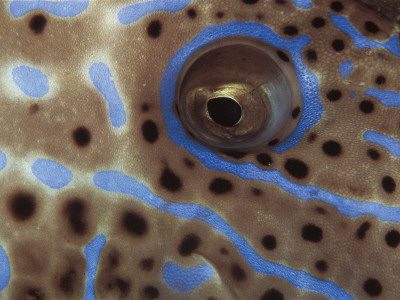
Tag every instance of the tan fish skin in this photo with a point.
(45, 234)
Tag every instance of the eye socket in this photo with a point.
(237, 94)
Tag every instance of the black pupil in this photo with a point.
(224, 111)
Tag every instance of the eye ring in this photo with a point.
(237, 94)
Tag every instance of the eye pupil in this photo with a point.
(224, 111)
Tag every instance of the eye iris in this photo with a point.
(224, 111)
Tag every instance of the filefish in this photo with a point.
(242, 149)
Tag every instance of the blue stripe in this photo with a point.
(387, 98)
(66, 8)
(92, 253)
(390, 144)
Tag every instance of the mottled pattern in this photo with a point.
(106, 196)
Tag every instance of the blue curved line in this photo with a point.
(185, 280)
(92, 253)
(360, 41)
(3, 160)
(66, 8)
(30, 81)
(4, 269)
(101, 78)
(134, 12)
(304, 4)
(114, 181)
(51, 173)
(345, 69)
(390, 144)
(387, 98)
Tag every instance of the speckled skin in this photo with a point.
(46, 249)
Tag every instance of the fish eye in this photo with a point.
(238, 93)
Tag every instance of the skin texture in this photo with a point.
(45, 230)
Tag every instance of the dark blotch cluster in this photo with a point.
(272, 294)
(134, 223)
(269, 242)
(81, 136)
(170, 180)
(124, 286)
(68, 281)
(189, 244)
(75, 212)
(154, 29)
(362, 230)
(37, 23)
(150, 131)
(151, 292)
(146, 264)
(22, 206)
(296, 168)
(220, 186)
(312, 233)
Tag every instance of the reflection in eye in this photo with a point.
(238, 93)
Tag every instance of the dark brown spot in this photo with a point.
(264, 159)
(334, 95)
(22, 206)
(220, 15)
(388, 184)
(272, 294)
(296, 112)
(34, 294)
(337, 45)
(146, 264)
(220, 186)
(189, 244)
(75, 212)
(34, 108)
(366, 106)
(332, 148)
(113, 259)
(321, 210)
(290, 30)
(250, 1)
(311, 55)
(170, 181)
(337, 6)
(321, 265)
(296, 168)
(37, 23)
(283, 56)
(81, 136)
(362, 230)
(150, 131)
(312, 137)
(372, 287)
(154, 29)
(191, 13)
(134, 223)
(379, 80)
(237, 272)
(235, 154)
(318, 22)
(371, 27)
(224, 251)
(189, 163)
(373, 154)
(145, 107)
(312, 233)
(392, 238)
(269, 242)
(124, 286)
(151, 292)
(256, 192)
(67, 282)
(273, 142)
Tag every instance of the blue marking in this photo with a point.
(30, 81)
(134, 12)
(4, 269)
(102, 79)
(3, 160)
(51, 173)
(92, 253)
(312, 107)
(185, 280)
(387, 98)
(114, 181)
(353, 94)
(66, 8)
(360, 41)
(345, 69)
(302, 3)
(390, 144)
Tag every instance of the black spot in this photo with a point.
(269, 242)
(311, 55)
(192, 13)
(146, 264)
(145, 107)
(337, 6)
(134, 223)
(282, 55)
(321, 210)
(312, 233)
(224, 111)
(388, 184)
(177, 110)
(392, 238)
(224, 251)
(220, 186)
(81, 136)
(67, 282)
(371, 27)
(189, 163)
(272, 294)
(220, 15)
(337, 45)
(150, 131)
(75, 212)
(260, 16)
(380, 79)
(372, 287)
(264, 159)
(332, 148)
(256, 192)
(290, 30)
(366, 106)
(296, 112)
(273, 142)
(34, 294)
(22, 206)
(296, 168)
(170, 180)
(151, 292)
(312, 137)
(250, 1)
(154, 29)
(189, 244)
(124, 286)
(235, 154)
(334, 95)
(113, 259)
(318, 22)
(373, 154)
(237, 272)
(280, 2)
(321, 266)
(362, 230)
(37, 24)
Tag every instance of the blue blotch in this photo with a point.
(66, 8)
(30, 81)
(312, 107)
(390, 144)
(51, 173)
(4, 269)
(3, 160)
(102, 79)
(92, 253)
(353, 94)
(387, 98)
(360, 41)
(133, 12)
(345, 69)
(185, 280)
(114, 181)
(302, 3)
